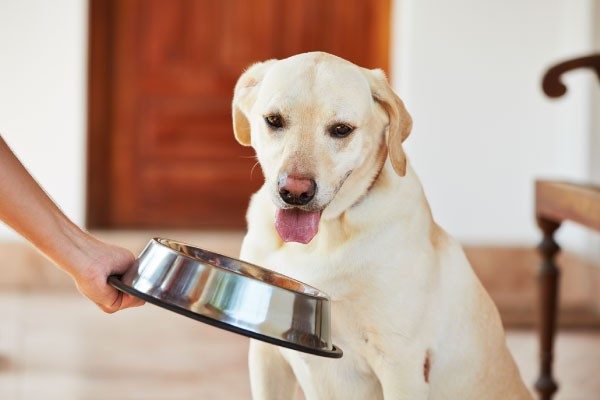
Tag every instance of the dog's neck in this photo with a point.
(387, 199)
(377, 178)
(357, 185)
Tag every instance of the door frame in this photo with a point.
(99, 118)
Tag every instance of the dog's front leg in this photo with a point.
(271, 377)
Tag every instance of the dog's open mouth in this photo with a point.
(295, 225)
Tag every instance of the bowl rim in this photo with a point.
(314, 292)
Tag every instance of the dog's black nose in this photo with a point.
(297, 191)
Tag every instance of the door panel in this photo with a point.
(161, 148)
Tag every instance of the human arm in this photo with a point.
(26, 208)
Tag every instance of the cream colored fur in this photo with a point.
(402, 290)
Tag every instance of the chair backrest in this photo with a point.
(552, 84)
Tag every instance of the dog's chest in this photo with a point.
(346, 378)
(344, 272)
(353, 376)
(357, 316)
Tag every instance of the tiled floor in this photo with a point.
(58, 346)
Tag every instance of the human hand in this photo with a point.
(92, 267)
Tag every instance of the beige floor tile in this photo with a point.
(70, 350)
(577, 366)
(10, 346)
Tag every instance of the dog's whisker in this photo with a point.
(252, 170)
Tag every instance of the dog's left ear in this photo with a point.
(400, 122)
(244, 96)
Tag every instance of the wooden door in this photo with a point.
(161, 148)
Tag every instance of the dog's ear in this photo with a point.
(400, 122)
(244, 96)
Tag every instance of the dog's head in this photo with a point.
(321, 128)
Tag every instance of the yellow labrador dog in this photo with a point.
(341, 209)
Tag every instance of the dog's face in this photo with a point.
(318, 125)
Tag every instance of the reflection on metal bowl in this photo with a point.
(232, 295)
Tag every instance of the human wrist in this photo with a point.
(67, 247)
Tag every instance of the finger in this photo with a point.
(114, 306)
(100, 298)
(131, 301)
(106, 309)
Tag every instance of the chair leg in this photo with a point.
(549, 275)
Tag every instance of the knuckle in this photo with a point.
(106, 309)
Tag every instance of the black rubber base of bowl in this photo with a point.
(116, 282)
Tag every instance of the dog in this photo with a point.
(341, 209)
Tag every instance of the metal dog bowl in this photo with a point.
(232, 295)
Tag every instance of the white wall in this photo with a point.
(470, 71)
(42, 94)
(594, 240)
(595, 106)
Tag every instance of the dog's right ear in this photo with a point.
(400, 122)
(244, 96)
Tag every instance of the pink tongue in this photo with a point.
(294, 225)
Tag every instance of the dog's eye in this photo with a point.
(340, 130)
(274, 121)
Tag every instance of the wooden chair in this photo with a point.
(556, 202)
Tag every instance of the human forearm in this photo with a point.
(26, 208)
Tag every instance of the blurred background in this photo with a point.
(121, 111)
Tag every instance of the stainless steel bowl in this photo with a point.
(232, 295)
